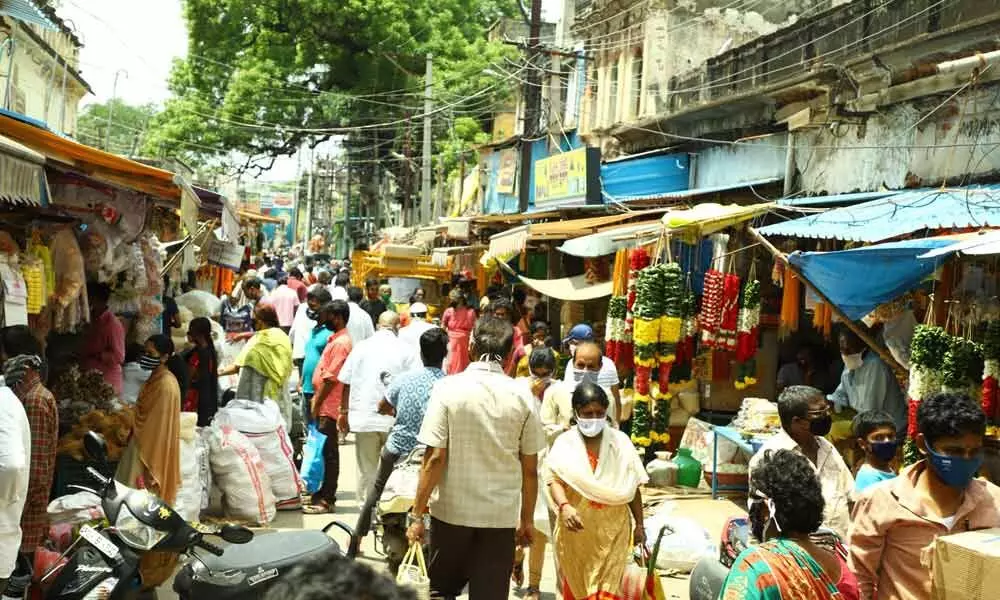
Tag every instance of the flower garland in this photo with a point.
(991, 370)
(728, 321)
(748, 336)
(647, 310)
(642, 420)
(658, 433)
(930, 344)
(671, 323)
(681, 371)
(711, 307)
(638, 260)
(616, 329)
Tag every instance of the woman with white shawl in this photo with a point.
(593, 474)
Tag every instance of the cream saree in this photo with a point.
(600, 488)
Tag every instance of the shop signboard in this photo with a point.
(225, 254)
(281, 206)
(507, 174)
(570, 177)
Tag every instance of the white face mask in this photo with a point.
(853, 361)
(583, 375)
(591, 427)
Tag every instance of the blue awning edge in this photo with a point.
(860, 280)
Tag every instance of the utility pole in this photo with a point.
(440, 204)
(532, 104)
(347, 202)
(310, 195)
(425, 196)
(111, 109)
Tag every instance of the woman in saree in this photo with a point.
(151, 460)
(458, 320)
(786, 509)
(593, 474)
(265, 364)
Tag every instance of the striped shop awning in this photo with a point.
(22, 175)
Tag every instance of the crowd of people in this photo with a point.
(525, 442)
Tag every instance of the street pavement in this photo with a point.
(347, 511)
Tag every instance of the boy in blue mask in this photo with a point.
(939, 495)
(875, 431)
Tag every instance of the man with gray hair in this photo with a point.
(366, 376)
(483, 437)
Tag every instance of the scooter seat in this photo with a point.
(270, 550)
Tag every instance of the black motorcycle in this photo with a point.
(104, 563)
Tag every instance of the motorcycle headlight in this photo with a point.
(135, 533)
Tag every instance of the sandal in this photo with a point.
(532, 593)
(321, 507)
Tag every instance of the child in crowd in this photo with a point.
(875, 431)
(894, 522)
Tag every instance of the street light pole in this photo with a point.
(425, 184)
(532, 105)
(111, 109)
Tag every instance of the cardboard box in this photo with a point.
(966, 566)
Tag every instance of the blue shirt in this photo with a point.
(409, 393)
(868, 476)
(314, 350)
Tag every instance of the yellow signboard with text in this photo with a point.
(568, 177)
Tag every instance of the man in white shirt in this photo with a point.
(805, 421)
(15, 462)
(366, 376)
(483, 437)
(418, 325)
(359, 326)
(339, 289)
(608, 374)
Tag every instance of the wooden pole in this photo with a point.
(850, 324)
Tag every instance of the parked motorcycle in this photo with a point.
(394, 506)
(103, 563)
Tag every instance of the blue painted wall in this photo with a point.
(645, 176)
(497, 203)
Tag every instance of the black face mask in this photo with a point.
(757, 520)
(821, 426)
(311, 314)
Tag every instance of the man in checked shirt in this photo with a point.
(21, 354)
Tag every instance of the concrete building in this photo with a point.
(40, 68)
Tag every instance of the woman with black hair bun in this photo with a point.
(786, 510)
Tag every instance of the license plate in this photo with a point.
(106, 547)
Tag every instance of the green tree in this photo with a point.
(262, 77)
(129, 125)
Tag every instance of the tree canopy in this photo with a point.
(128, 126)
(262, 77)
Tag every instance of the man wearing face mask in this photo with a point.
(333, 343)
(867, 383)
(805, 421)
(607, 373)
(302, 328)
(938, 495)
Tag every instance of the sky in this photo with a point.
(138, 40)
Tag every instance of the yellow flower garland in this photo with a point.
(670, 329)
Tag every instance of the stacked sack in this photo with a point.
(238, 475)
(192, 496)
(264, 427)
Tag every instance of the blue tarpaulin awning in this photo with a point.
(900, 214)
(646, 176)
(859, 280)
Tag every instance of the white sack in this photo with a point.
(239, 474)
(189, 494)
(79, 507)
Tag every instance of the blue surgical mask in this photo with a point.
(582, 375)
(954, 471)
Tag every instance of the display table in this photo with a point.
(735, 436)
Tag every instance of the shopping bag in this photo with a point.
(412, 572)
(634, 578)
(312, 459)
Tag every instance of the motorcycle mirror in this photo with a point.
(96, 447)
(236, 534)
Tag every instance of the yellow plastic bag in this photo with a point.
(412, 572)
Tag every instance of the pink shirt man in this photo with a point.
(104, 349)
(284, 300)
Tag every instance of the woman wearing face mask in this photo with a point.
(785, 509)
(895, 521)
(542, 363)
(202, 396)
(152, 459)
(593, 475)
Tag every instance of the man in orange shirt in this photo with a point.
(326, 401)
(896, 520)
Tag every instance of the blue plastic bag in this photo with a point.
(312, 458)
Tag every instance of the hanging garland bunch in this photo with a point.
(638, 260)
(658, 433)
(927, 349)
(671, 321)
(728, 321)
(642, 421)
(962, 366)
(711, 307)
(647, 309)
(616, 334)
(681, 372)
(748, 336)
(991, 370)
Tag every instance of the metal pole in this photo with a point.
(310, 196)
(111, 109)
(347, 202)
(9, 42)
(425, 195)
(532, 102)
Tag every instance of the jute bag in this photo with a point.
(413, 572)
